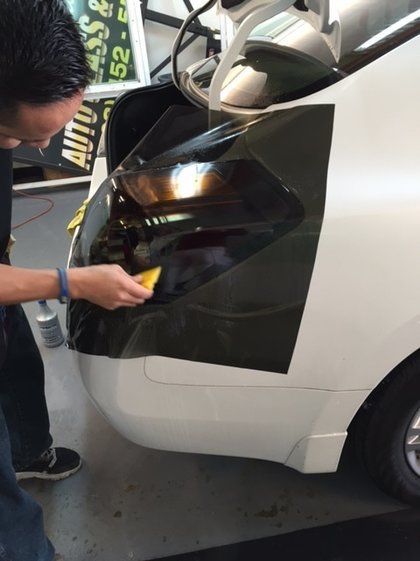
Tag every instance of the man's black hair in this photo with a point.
(42, 56)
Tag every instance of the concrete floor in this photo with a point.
(133, 503)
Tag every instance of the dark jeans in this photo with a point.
(24, 436)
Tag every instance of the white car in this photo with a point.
(288, 231)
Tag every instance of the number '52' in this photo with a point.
(119, 64)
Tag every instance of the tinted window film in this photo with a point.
(233, 217)
(196, 221)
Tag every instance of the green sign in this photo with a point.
(104, 26)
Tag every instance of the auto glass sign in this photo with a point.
(104, 27)
(74, 148)
(82, 134)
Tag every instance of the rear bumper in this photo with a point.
(302, 428)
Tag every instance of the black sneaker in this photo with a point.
(54, 464)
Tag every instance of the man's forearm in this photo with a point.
(108, 286)
(25, 285)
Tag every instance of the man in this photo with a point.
(43, 74)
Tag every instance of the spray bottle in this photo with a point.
(49, 326)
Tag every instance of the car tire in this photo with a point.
(383, 429)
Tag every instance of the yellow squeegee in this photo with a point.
(150, 278)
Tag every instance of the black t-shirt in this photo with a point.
(6, 186)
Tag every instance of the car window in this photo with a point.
(266, 74)
(286, 58)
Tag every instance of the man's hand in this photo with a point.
(108, 286)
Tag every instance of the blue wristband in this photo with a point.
(64, 286)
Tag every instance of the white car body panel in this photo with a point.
(241, 421)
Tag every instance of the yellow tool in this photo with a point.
(150, 278)
(78, 218)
